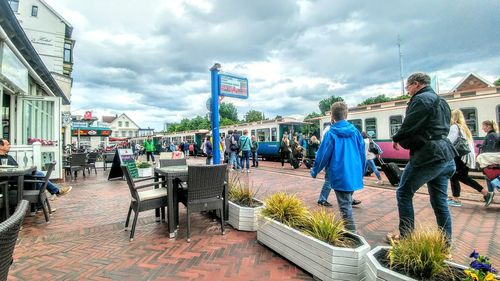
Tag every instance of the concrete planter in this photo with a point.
(145, 172)
(244, 218)
(322, 260)
(377, 272)
(99, 164)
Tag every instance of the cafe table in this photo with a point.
(173, 175)
(9, 171)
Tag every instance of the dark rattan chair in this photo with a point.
(92, 157)
(9, 230)
(77, 163)
(172, 162)
(39, 196)
(4, 200)
(204, 192)
(144, 200)
(108, 159)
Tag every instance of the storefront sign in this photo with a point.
(87, 132)
(233, 86)
(87, 115)
(13, 69)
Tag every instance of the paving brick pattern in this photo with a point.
(85, 239)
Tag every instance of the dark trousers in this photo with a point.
(284, 155)
(462, 175)
(148, 154)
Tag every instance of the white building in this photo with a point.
(50, 34)
(121, 126)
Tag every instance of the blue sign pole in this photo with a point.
(215, 112)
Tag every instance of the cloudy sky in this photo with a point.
(150, 59)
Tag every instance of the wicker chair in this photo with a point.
(39, 196)
(92, 157)
(9, 230)
(172, 162)
(76, 163)
(108, 159)
(144, 200)
(4, 200)
(204, 192)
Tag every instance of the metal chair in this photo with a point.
(9, 230)
(77, 163)
(204, 192)
(92, 157)
(144, 200)
(4, 200)
(39, 196)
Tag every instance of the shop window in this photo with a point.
(34, 11)
(263, 135)
(68, 53)
(357, 123)
(470, 115)
(395, 123)
(14, 5)
(371, 127)
(274, 134)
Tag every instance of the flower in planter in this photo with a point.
(480, 269)
(142, 164)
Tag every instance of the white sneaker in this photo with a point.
(248, 171)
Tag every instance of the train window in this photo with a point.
(274, 134)
(326, 124)
(371, 127)
(263, 135)
(498, 114)
(357, 123)
(395, 123)
(252, 133)
(470, 115)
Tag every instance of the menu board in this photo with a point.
(123, 157)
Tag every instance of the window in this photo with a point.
(38, 120)
(498, 114)
(357, 123)
(395, 123)
(68, 54)
(274, 134)
(119, 124)
(130, 133)
(263, 135)
(252, 133)
(14, 5)
(371, 127)
(124, 133)
(470, 115)
(34, 11)
(127, 124)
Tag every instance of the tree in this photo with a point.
(228, 111)
(497, 82)
(254, 115)
(278, 117)
(324, 105)
(313, 128)
(377, 99)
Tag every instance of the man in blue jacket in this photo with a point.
(342, 155)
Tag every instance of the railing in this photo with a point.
(39, 156)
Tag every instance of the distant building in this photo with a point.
(87, 131)
(122, 126)
(50, 35)
(471, 82)
(146, 132)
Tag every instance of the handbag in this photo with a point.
(461, 144)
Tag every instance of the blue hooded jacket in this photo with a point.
(342, 154)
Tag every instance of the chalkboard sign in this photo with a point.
(123, 157)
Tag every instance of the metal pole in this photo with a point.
(215, 112)
(401, 66)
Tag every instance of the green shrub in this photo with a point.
(286, 208)
(142, 165)
(328, 227)
(421, 254)
(241, 193)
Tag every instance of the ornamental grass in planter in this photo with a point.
(144, 169)
(244, 208)
(314, 240)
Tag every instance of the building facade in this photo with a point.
(121, 126)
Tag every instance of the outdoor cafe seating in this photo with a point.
(76, 162)
(9, 230)
(39, 196)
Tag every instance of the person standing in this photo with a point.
(245, 145)
(150, 148)
(235, 150)
(284, 149)
(227, 145)
(254, 149)
(370, 156)
(424, 132)
(491, 143)
(195, 149)
(208, 150)
(342, 155)
(185, 147)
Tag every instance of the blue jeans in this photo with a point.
(255, 159)
(344, 200)
(52, 188)
(233, 160)
(209, 158)
(245, 158)
(436, 176)
(325, 190)
(371, 163)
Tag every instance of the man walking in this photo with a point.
(150, 148)
(424, 132)
(342, 155)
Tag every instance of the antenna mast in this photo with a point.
(401, 66)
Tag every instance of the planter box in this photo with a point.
(377, 272)
(322, 260)
(145, 172)
(244, 218)
(99, 164)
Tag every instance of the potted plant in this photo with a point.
(420, 256)
(244, 208)
(316, 240)
(144, 169)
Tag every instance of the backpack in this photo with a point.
(234, 145)
(374, 148)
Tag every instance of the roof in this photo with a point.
(109, 119)
(69, 27)
(17, 36)
(470, 78)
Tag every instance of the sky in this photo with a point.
(151, 59)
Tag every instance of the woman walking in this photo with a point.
(284, 149)
(370, 156)
(463, 163)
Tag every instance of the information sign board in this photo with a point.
(123, 157)
(233, 86)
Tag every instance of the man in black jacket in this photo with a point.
(423, 132)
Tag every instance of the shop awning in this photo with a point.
(91, 131)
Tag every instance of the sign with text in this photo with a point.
(233, 86)
(123, 157)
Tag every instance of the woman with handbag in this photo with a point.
(458, 133)
(284, 149)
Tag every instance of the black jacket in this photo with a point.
(11, 161)
(490, 143)
(425, 127)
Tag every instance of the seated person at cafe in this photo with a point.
(52, 188)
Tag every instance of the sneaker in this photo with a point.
(64, 190)
(53, 197)
(454, 203)
(379, 182)
(242, 170)
(324, 203)
(248, 171)
(355, 202)
(488, 198)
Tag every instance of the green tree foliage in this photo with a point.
(382, 98)
(254, 115)
(278, 117)
(228, 111)
(313, 128)
(186, 124)
(324, 105)
(497, 82)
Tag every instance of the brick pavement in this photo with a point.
(85, 238)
